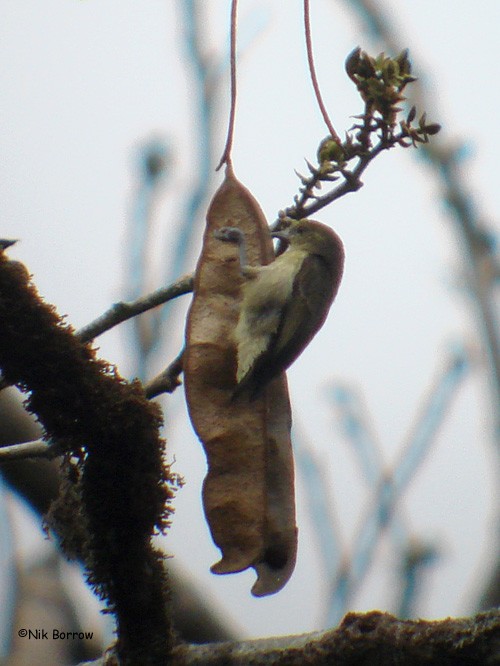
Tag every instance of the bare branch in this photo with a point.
(167, 381)
(39, 448)
(122, 311)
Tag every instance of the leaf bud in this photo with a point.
(433, 128)
(352, 63)
(411, 115)
(330, 151)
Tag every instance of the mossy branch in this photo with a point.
(362, 639)
(116, 489)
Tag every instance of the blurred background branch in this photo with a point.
(447, 158)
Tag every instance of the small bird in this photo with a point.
(285, 303)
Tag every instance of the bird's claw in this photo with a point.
(229, 235)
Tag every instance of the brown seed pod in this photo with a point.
(248, 493)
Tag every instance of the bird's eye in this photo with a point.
(300, 230)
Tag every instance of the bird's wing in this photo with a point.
(312, 295)
(255, 331)
(302, 316)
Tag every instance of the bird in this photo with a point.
(284, 303)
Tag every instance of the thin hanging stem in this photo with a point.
(312, 71)
(226, 155)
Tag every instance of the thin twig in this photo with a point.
(314, 79)
(351, 183)
(226, 155)
(167, 381)
(120, 312)
(38, 448)
(463, 206)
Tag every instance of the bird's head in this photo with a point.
(312, 237)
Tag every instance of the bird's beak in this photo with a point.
(284, 240)
(282, 234)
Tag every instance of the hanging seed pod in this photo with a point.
(248, 493)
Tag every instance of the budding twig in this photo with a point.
(352, 183)
(380, 82)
